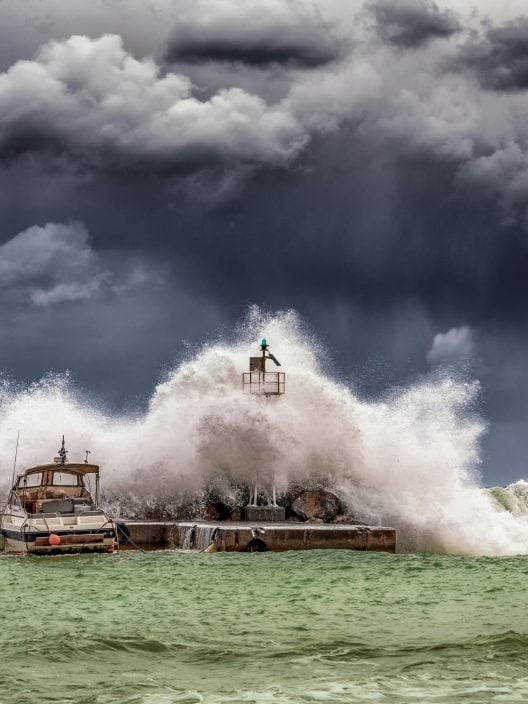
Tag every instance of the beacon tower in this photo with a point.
(264, 385)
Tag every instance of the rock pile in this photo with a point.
(314, 504)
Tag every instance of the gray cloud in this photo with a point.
(410, 23)
(93, 100)
(500, 57)
(454, 346)
(55, 264)
(272, 32)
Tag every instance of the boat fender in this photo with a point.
(54, 539)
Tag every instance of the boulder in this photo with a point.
(211, 512)
(348, 519)
(317, 503)
(216, 511)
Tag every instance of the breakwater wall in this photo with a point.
(255, 537)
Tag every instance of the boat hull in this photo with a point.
(42, 543)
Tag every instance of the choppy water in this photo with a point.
(332, 626)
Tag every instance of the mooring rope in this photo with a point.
(129, 539)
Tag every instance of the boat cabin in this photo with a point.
(57, 488)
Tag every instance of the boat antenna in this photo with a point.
(63, 453)
(15, 461)
(86, 458)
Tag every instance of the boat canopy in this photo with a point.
(72, 467)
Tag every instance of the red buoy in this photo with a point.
(54, 539)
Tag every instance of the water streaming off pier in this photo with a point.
(410, 459)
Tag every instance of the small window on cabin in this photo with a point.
(65, 479)
(31, 480)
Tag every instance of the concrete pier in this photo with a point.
(256, 536)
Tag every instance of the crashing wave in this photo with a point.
(512, 498)
(410, 460)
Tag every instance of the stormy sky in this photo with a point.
(164, 164)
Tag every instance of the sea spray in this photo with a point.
(410, 460)
(512, 498)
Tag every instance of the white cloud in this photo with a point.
(92, 98)
(451, 347)
(56, 263)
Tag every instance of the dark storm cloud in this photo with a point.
(258, 34)
(56, 263)
(410, 23)
(500, 57)
(95, 103)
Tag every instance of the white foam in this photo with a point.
(410, 460)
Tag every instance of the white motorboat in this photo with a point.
(51, 509)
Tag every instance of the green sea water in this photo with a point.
(315, 626)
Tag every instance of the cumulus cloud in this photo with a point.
(55, 263)
(500, 57)
(92, 99)
(453, 346)
(410, 23)
(270, 32)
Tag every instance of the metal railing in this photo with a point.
(264, 383)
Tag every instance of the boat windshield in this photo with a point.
(50, 478)
(31, 480)
(64, 479)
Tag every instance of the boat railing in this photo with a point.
(48, 514)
